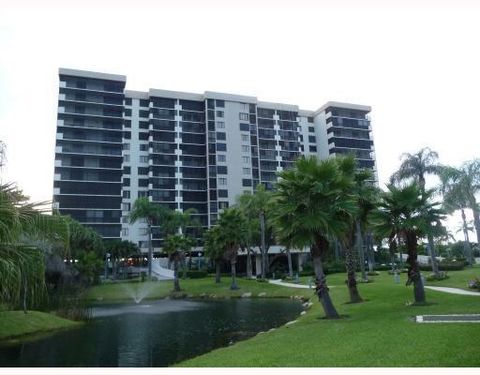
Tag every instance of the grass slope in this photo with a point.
(17, 323)
(379, 332)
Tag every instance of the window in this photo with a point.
(128, 112)
(142, 194)
(128, 101)
(125, 206)
(144, 147)
(310, 119)
(246, 159)
(312, 139)
(143, 159)
(247, 171)
(126, 194)
(126, 158)
(124, 231)
(311, 129)
(223, 193)
(222, 158)
(244, 116)
(126, 146)
(142, 170)
(220, 125)
(245, 138)
(313, 148)
(144, 103)
(144, 125)
(220, 114)
(221, 136)
(143, 182)
(222, 205)
(221, 147)
(220, 103)
(221, 169)
(126, 170)
(127, 123)
(222, 181)
(143, 113)
(245, 148)
(143, 136)
(244, 106)
(125, 219)
(126, 182)
(246, 182)
(244, 127)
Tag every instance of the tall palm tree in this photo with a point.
(464, 182)
(408, 211)
(175, 246)
(230, 236)
(312, 204)
(415, 167)
(153, 214)
(257, 204)
(22, 271)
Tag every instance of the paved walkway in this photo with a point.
(290, 285)
(453, 290)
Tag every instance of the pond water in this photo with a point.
(157, 333)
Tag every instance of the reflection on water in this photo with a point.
(153, 333)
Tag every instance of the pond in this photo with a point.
(158, 333)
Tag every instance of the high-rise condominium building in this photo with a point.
(182, 150)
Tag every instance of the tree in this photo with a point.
(312, 203)
(153, 214)
(230, 236)
(257, 204)
(119, 249)
(175, 246)
(407, 211)
(461, 186)
(22, 270)
(415, 167)
(213, 249)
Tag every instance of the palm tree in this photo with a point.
(153, 214)
(213, 249)
(230, 236)
(464, 184)
(175, 246)
(415, 167)
(22, 271)
(407, 212)
(313, 203)
(119, 249)
(257, 205)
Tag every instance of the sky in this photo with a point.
(416, 65)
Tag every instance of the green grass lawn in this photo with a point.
(16, 323)
(379, 332)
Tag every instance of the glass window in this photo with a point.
(313, 148)
(126, 194)
(221, 169)
(221, 136)
(220, 114)
(220, 125)
(246, 182)
(220, 103)
(222, 181)
(245, 148)
(312, 139)
(222, 205)
(126, 206)
(311, 129)
(128, 112)
(246, 159)
(143, 159)
(142, 194)
(244, 127)
(223, 193)
(247, 171)
(126, 158)
(221, 147)
(124, 231)
(244, 116)
(222, 158)
(245, 138)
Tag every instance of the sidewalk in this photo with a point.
(452, 290)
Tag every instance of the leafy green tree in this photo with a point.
(257, 204)
(214, 249)
(154, 214)
(407, 211)
(175, 246)
(460, 187)
(22, 270)
(230, 235)
(119, 249)
(415, 167)
(312, 203)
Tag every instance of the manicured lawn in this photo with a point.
(119, 292)
(16, 323)
(379, 332)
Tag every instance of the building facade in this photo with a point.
(182, 150)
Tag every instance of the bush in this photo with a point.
(446, 266)
(442, 275)
(195, 274)
(474, 284)
(374, 273)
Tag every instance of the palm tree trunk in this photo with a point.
(321, 287)
(290, 267)
(176, 281)
(370, 253)
(392, 248)
(24, 294)
(476, 221)
(234, 274)
(467, 248)
(262, 239)
(217, 271)
(351, 276)
(249, 263)
(360, 251)
(413, 271)
(337, 250)
(431, 248)
(150, 251)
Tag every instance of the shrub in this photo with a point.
(373, 273)
(195, 274)
(474, 284)
(442, 275)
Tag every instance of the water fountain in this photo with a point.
(137, 291)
